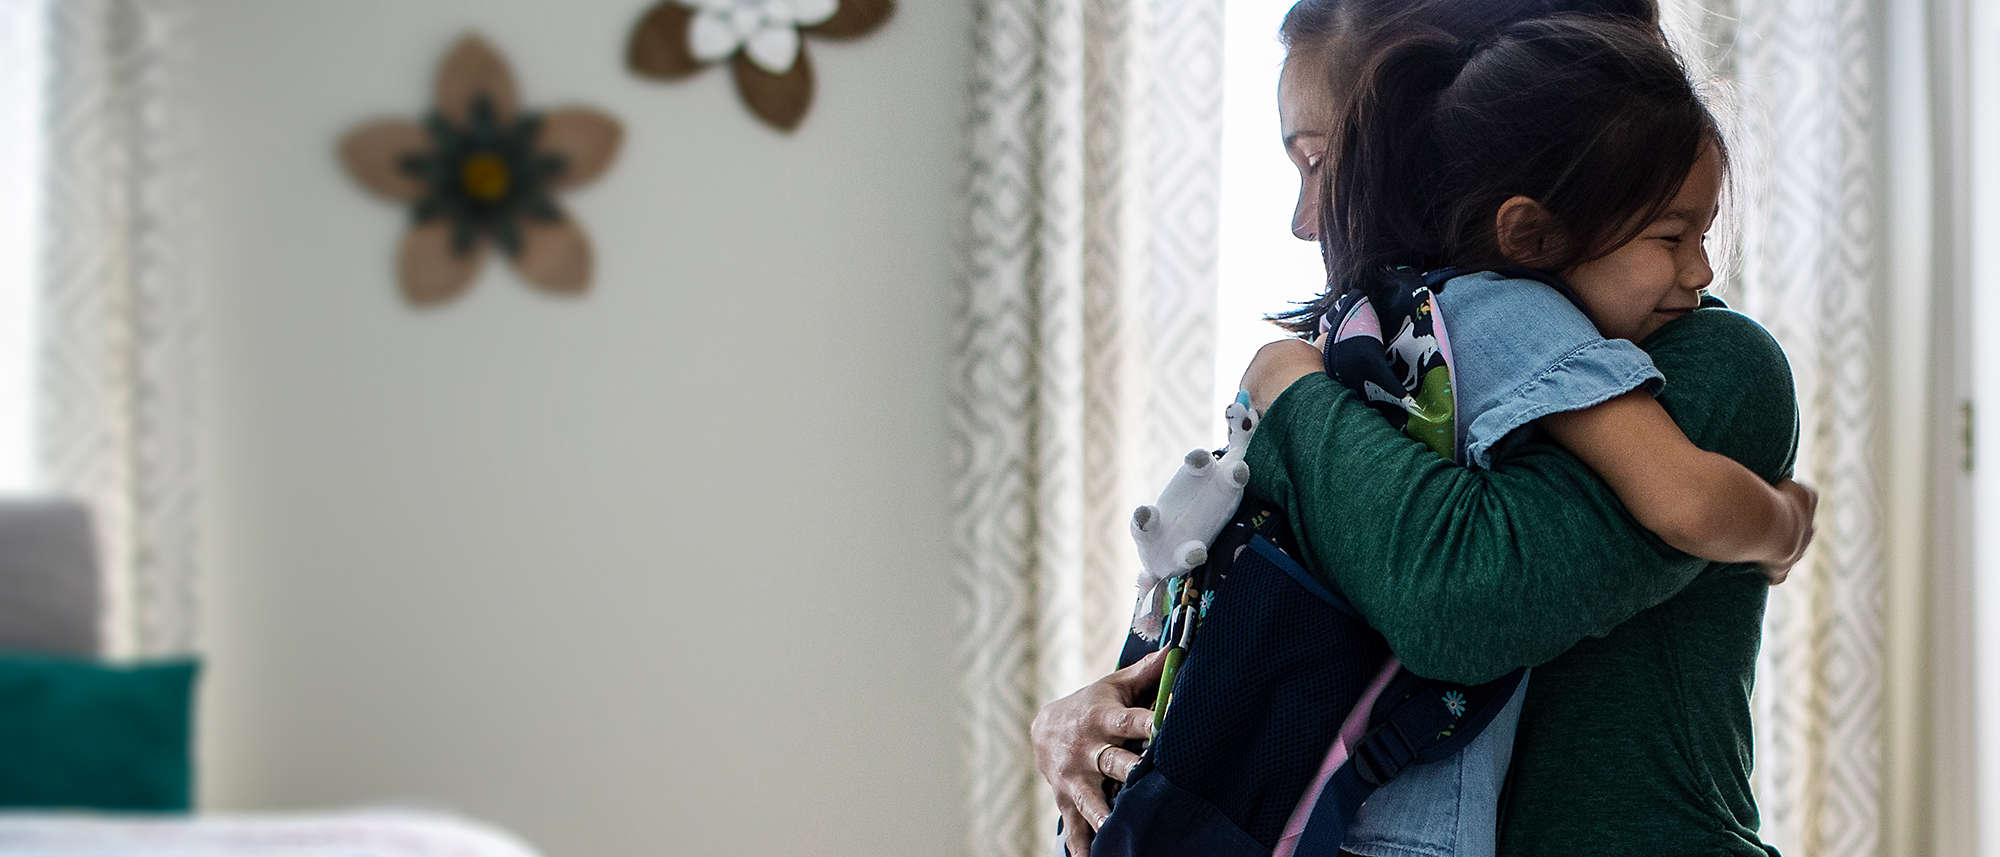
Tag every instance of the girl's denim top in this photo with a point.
(1520, 350)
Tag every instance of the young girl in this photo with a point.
(1567, 166)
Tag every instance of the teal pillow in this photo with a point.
(81, 734)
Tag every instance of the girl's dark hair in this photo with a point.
(1356, 42)
(1592, 117)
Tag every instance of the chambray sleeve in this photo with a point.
(1522, 351)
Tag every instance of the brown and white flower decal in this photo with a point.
(761, 38)
(479, 169)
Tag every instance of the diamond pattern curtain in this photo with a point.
(1086, 348)
(1800, 78)
(116, 327)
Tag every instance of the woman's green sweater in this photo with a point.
(1635, 738)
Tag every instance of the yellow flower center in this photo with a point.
(484, 176)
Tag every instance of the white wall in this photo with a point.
(1982, 72)
(661, 571)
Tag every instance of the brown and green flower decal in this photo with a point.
(761, 39)
(479, 170)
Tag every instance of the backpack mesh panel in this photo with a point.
(1269, 676)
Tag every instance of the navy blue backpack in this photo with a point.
(1270, 675)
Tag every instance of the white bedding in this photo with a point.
(370, 833)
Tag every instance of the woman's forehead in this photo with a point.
(1305, 99)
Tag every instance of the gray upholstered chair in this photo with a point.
(49, 591)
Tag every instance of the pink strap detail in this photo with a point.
(1361, 320)
(1440, 330)
(1343, 743)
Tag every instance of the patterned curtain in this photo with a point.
(1086, 344)
(1799, 77)
(116, 327)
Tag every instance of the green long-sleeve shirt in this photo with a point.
(1635, 736)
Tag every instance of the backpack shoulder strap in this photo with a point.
(1416, 720)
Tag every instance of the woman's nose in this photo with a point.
(1305, 215)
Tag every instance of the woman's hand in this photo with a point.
(1276, 367)
(1804, 503)
(1077, 742)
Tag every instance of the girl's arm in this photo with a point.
(1698, 501)
(1471, 573)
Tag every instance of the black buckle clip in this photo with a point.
(1382, 755)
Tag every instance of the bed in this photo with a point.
(49, 618)
(360, 833)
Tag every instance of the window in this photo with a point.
(20, 186)
(1263, 268)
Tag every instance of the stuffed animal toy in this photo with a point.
(1173, 534)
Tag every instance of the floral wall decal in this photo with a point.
(761, 39)
(480, 170)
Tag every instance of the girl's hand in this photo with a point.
(1276, 367)
(1804, 503)
(1077, 742)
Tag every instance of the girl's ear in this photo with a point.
(1525, 233)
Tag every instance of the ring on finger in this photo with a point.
(1097, 761)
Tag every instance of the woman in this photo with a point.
(1635, 743)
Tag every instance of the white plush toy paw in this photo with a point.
(1173, 534)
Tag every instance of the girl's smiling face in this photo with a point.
(1658, 276)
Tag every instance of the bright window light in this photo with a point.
(1264, 269)
(21, 82)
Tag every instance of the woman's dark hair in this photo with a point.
(1401, 57)
(1362, 23)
